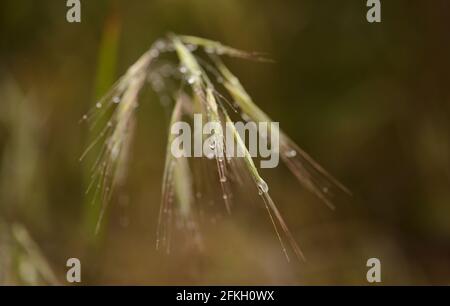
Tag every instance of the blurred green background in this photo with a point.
(370, 102)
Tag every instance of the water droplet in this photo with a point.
(183, 69)
(116, 99)
(291, 153)
(85, 117)
(192, 79)
(225, 197)
(262, 187)
(223, 179)
(98, 105)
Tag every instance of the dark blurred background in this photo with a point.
(369, 101)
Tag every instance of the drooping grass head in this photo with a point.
(204, 86)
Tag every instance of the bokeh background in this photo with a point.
(370, 102)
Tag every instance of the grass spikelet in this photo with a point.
(309, 173)
(177, 195)
(204, 90)
(263, 190)
(217, 48)
(109, 169)
(198, 78)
